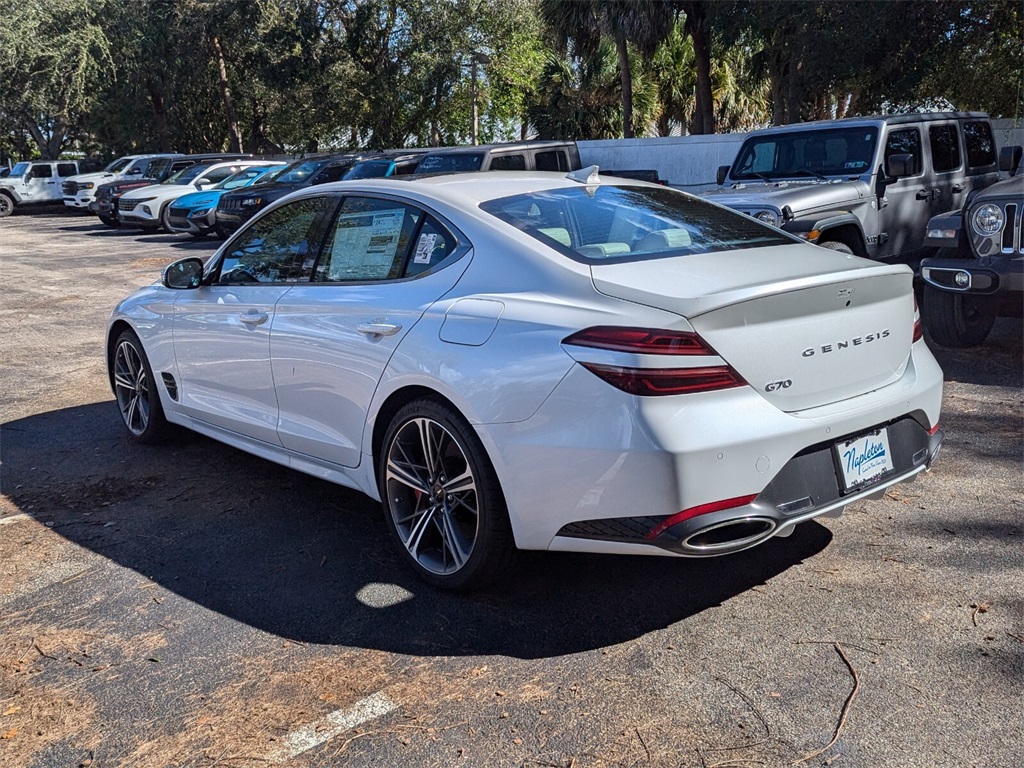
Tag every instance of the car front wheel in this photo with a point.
(442, 500)
(6, 206)
(135, 391)
(957, 320)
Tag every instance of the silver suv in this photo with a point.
(864, 185)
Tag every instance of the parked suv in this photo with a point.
(235, 208)
(161, 168)
(978, 271)
(514, 156)
(864, 185)
(36, 182)
(150, 207)
(80, 190)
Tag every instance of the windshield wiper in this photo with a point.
(809, 172)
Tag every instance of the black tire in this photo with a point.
(165, 220)
(835, 245)
(110, 221)
(956, 320)
(136, 393)
(6, 205)
(446, 511)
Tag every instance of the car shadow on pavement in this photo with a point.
(310, 561)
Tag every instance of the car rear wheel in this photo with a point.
(957, 320)
(135, 391)
(441, 498)
(6, 206)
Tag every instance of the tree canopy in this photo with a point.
(295, 76)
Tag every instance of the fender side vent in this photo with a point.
(172, 386)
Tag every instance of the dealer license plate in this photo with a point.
(864, 459)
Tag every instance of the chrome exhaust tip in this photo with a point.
(729, 535)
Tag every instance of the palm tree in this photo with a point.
(579, 26)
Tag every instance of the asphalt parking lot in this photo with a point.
(190, 605)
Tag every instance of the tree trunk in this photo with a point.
(696, 27)
(626, 74)
(234, 134)
(156, 98)
(37, 136)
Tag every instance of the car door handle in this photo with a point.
(378, 329)
(253, 317)
(924, 194)
(958, 188)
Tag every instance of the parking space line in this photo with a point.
(326, 728)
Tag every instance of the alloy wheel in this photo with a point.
(432, 496)
(131, 385)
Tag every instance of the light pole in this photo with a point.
(475, 58)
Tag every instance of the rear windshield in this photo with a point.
(612, 223)
(811, 153)
(459, 162)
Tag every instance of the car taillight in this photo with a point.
(653, 382)
(703, 509)
(642, 341)
(918, 330)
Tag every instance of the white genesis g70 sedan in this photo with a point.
(540, 361)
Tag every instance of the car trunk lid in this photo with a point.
(804, 326)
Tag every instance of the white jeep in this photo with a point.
(36, 182)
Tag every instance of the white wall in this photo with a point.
(688, 162)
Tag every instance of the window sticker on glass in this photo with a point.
(365, 244)
(425, 248)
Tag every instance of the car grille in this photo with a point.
(228, 204)
(1012, 228)
(126, 205)
(70, 187)
(181, 213)
(104, 193)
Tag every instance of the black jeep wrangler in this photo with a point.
(977, 274)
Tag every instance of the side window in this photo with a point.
(42, 171)
(433, 245)
(66, 169)
(945, 145)
(905, 142)
(278, 248)
(981, 149)
(217, 176)
(368, 241)
(552, 160)
(508, 162)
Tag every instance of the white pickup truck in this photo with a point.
(80, 190)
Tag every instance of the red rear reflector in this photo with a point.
(703, 509)
(651, 382)
(643, 341)
(918, 330)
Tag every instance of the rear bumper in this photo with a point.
(993, 276)
(624, 465)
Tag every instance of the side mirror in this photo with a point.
(898, 166)
(199, 185)
(1009, 158)
(722, 175)
(184, 274)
